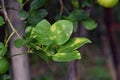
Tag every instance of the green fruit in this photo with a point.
(3, 65)
(108, 3)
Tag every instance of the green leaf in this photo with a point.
(74, 43)
(22, 14)
(89, 24)
(37, 4)
(75, 3)
(87, 3)
(66, 56)
(28, 31)
(1, 21)
(75, 26)
(42, 32)
(61, 31)
(36, 16)
(3, 50)
(78, 15)
(43, 55)
(19, 42)
(20, 1)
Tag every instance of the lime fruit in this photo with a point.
(108, 3)
(3, 65)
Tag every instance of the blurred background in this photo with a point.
(100, 60)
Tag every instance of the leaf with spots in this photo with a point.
(74, 43)
(66, 56)
(61, 31)
(42, 32)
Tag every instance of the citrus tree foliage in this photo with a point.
(49, 41)
(53, 41)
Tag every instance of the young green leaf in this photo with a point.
(37, 4)
(87, 3)
(74, 43)
(61, 31)
(20, 1)
(28, 31)
(75, 3)
(66, 56)
(42, 32)
(19, 42)
(3, 50)
(89, 24)
(22, 14)
(36, 16)
(78, 15)
(1, 21)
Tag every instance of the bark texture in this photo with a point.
(20, 64)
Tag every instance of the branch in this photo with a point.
(7, 18)
(6, 43)
(62, 7)
(17, 54)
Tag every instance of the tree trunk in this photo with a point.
(108, 57)
(71, 71)
(109, 19)
(72, 68)
(20, 67)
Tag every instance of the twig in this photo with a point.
(62, 8)
(7, 18)
(24, 3)
(66, 10)
(18, 54)
(6, 43)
